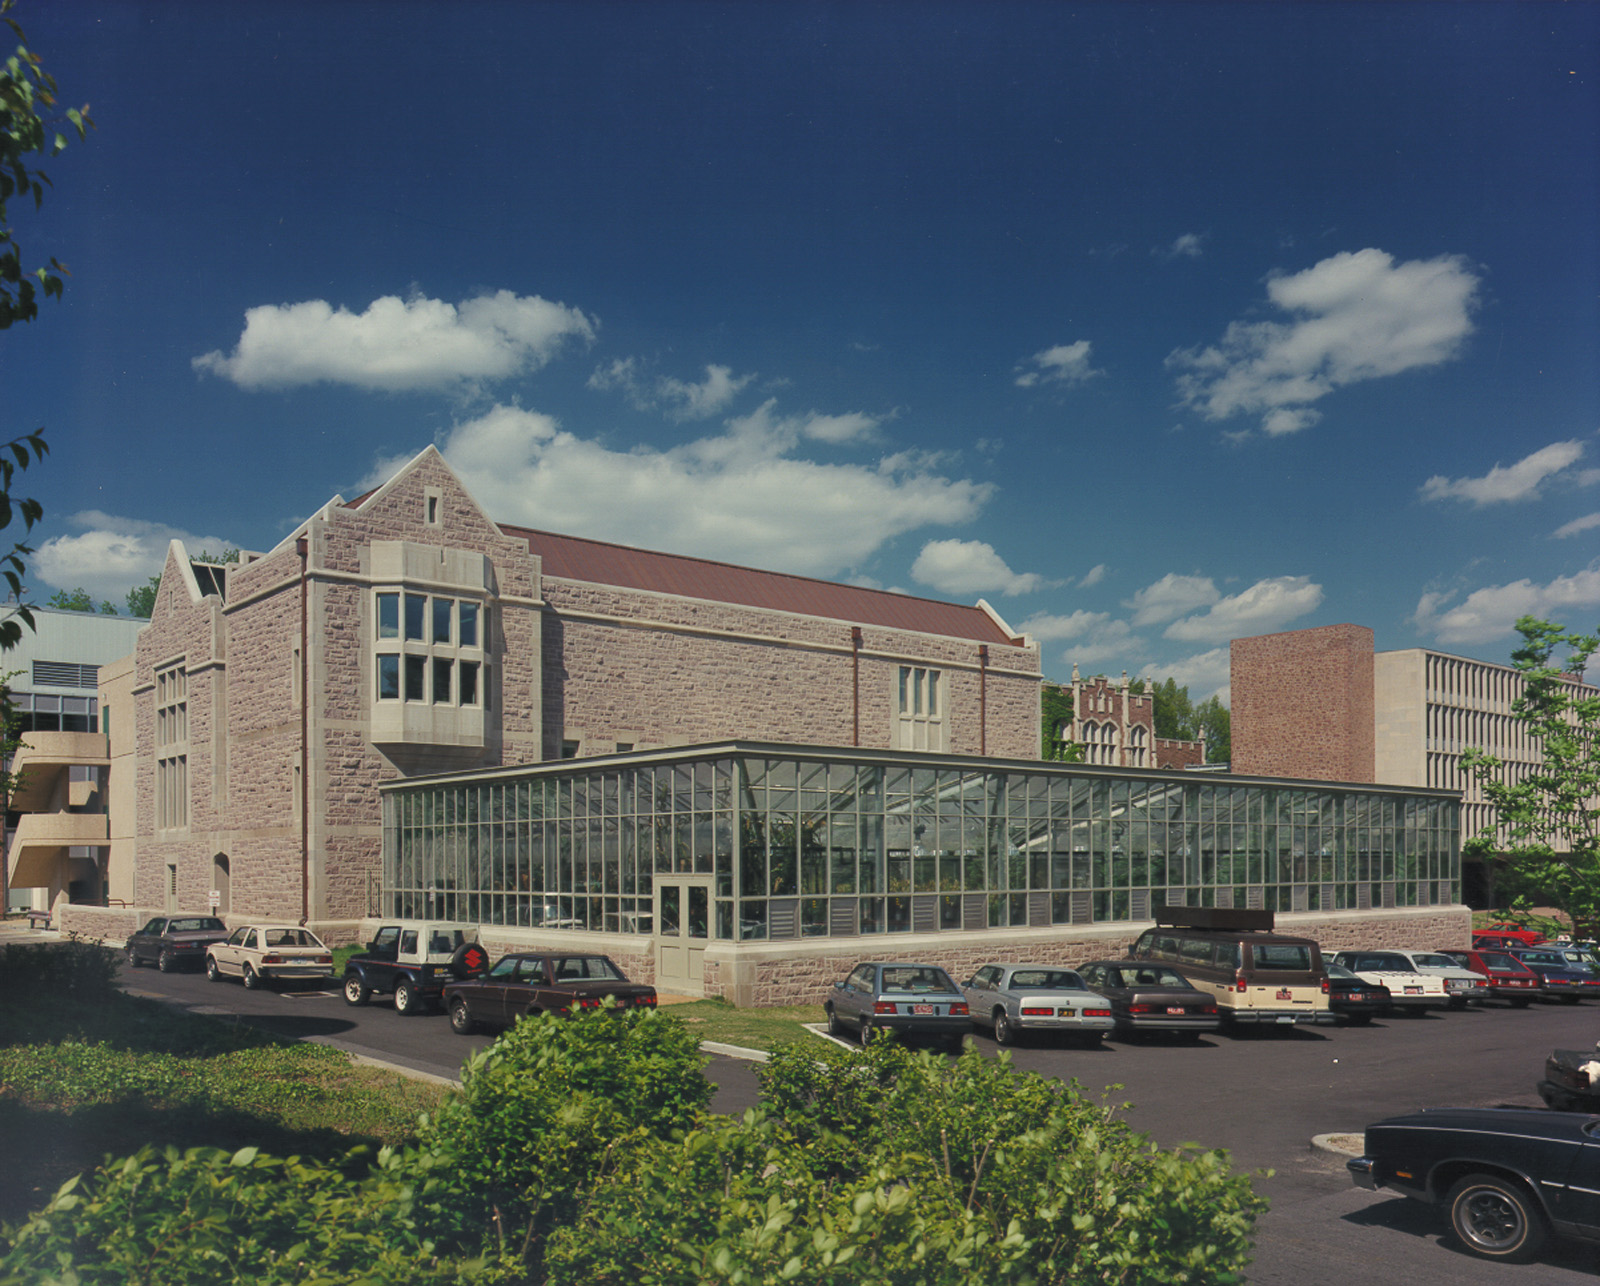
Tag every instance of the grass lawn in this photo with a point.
(717, 1020)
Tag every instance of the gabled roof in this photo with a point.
(596, 561)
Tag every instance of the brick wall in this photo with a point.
(1302, 704)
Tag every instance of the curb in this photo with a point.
(1339, 1145)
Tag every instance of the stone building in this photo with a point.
(405, 633)
(1117, 726)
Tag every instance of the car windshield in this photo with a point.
(916, 978)
(1154, 977)
(1046, 980)
(196, 924)
(291, 938)
(587, 969)
(1434, 961)
(1542, 957)
(1338, 971)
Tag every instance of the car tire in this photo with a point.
(213, 974)
(1520, 1002)
(132, 957)
(1358, 1020)
(1496, 1218)
(1458, 1003)
(868, 1032)
(835, 1027)
(250, 978)
(167, 964)
(469, 961)
(461, 1018)
(1004, 1032)
(406, 999)
(356, 991)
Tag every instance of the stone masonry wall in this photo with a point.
(1302, 704)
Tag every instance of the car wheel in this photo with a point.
(869, 1032)
(251, 979)
(1004, 1032)
(1495, 1218)
(1458, 1002)
(835, 1027)
(167, 964)
(461, 1017)
(356, 992)
(1520, 1002)
(406, 1000)
(213, 974)
(1357, 1020)
(132, 957)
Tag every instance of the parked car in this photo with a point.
(1507, 935)
(1461, 984)
(530, 983)
(1146, 997)
(1352, 999)
(918, 1001)
(1409, 990)
(174, 941)
(265, 953)
(1509, 979)
(1572, 1080)
(1559, 979)
(1507, 1176)
(1576, 954)
(414, 959)
(1019, 1000)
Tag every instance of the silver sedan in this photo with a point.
(1019, 999)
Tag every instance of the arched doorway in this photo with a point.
(221, 878)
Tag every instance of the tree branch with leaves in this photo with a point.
(1549, 815)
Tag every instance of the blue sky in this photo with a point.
(1153, 325)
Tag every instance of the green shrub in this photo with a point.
(548, 1108)
(895, 1167)
(50, 972)
(205, 1216)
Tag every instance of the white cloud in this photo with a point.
(1048, 629)
(1188, 246)
(681, 400)
(1093, 576)
(112, 555)
(1578, 525)
(398, 344)
(1063, 364)
(1266, 606)
(1112, 641)
(1521, 481)
(743, 495)
(1171, 597)
(1353, 317)
(1492, 612)
(964, 567)
(1205, 674)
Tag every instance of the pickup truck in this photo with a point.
(413, 960)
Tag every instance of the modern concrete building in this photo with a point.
(56, 818)
(1322, 703)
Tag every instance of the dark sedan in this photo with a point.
(917, 1001)
(174, 941)
(527, 984)
(1147, 996)
(1559, 977)
(1507, 1176)
(1353, 1000)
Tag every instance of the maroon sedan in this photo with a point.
(1509, 979)
(527, 983)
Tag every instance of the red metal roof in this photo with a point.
(575, 558)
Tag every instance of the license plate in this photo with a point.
(1286, 1018)
(1286, 994)
(922, 1009)
(1066, 1013)
(1176, 1009)
(1413, 991)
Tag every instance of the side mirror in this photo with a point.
(838, 986)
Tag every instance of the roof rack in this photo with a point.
(1214, 917)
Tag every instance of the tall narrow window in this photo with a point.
(172, 748)
(919, 713)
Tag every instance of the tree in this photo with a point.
(27, 91)
(1055, 710)
(142, 598)
(1177, 718)
(78, 600)
(1549, 816)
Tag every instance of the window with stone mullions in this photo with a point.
(428, 648)
(172, 746)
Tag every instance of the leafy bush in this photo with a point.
(57, 971)
(895, 1167)
(548, 1108)
(203, 1216)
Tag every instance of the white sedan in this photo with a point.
(1017, 999)
(262, 953)
(1410, 990)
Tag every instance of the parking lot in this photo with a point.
(1260, 1096)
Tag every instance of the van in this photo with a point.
(1254, 974)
